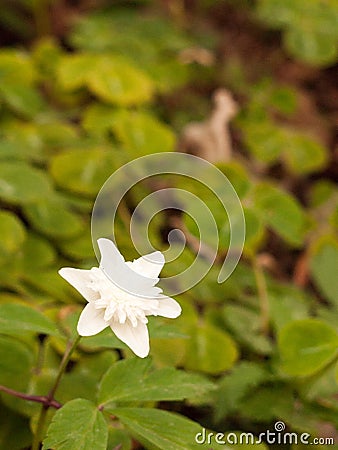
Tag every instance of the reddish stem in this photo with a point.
(32, 398)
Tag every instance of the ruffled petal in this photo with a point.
(168, 307)
(80, 280)
(137, 338)
(91, 321)
(149, 265)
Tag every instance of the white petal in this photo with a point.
(79, 279)
(111, 258)
(168, 307)
(91, 321)
(109, 251)
(148, 265)
(137, 338)
(120, 273)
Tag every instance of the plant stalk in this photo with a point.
(31, 398)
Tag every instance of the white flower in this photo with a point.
(121, 295)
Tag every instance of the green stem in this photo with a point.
(263, 297)
(40, 427)
(50, 397)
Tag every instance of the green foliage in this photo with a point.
(141, 133)
(22, 184)
(15, 432)
(16, 358)
(281, 212)
(53, 218)
(109, 77)
(323, 263)
(83, 175)
(245, 324)
(310, 29)
(234, 387)
(12, 232)
(203, 350)
(17, 318)
(119, 83)
(152, 43)
(307, 346)
(130, 380)
(160, 429)
(77, 426)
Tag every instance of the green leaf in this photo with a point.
(74, 69)
(316, 48)
(235, 386)
(304, 155)
(306, 346)
(17, 318)
(12, 234)
(98, 118)
(323, 191)
(132, 380)
(254, 231)
(117, 81)
(56, 134)
(284, 99)
(16, 65)
(16, 79)
(324, 263)
(264, 140)
(22, 141)
(77, 385)
(83, 171)
(322, 386)
(46, 54)
(162, 429)
(268, 403)
(150, 42)
(276, 13)
(52, 218)
(96, 363)
(203, 350)
(287, 307)
(49, 282)
(14, 430)
(245, 324)
(119, 439)
(141, 133)
(280, 211)
(16, 361)
(78, 248)
(310, 28)
(21, 98)
(21, 184)
(36, 253)
(105, 339)
(78, 425)
(237, 175)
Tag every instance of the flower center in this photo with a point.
(119, 305)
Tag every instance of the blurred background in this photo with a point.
(251, 86)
